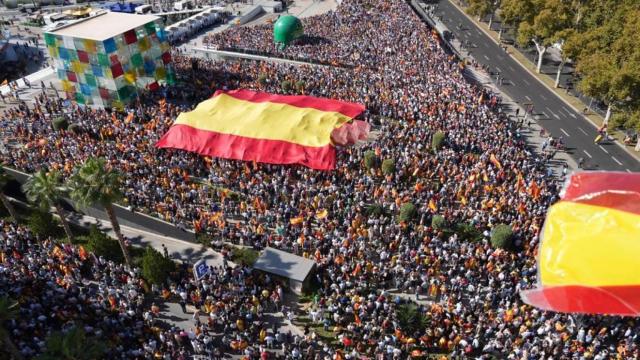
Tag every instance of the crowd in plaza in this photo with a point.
(347, 219)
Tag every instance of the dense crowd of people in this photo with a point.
(347, 219)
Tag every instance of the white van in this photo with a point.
(144, 9)
(183, 5)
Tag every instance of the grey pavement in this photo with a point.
(552, 113)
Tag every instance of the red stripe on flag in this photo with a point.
(346, 108)
(210, 143)
(615, 190)
(614, 300)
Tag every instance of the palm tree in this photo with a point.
(410, 319)
(93, 183)
(46, 190)
(72, 345)
(8, 311)
(4, 180)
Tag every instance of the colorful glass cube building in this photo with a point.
(106, 59)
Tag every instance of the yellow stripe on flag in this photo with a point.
(602, 253)
(264, 120)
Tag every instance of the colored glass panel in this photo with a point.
(103, 60)
(116, 70)
(136, 60)
(72, 76)
(130, 37)
(150, 28)
(83, 56)
(91, 80)
(166, 58)
(49, 39)
(110, 45)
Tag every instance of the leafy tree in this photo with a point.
(46, 190)
(501, 236)
(72, 345)
(482, 8)
(410, 319)
(408, 212)
(93, 183)
(75, 128)
(262, 79)
(388, 166)
(286, 85)
(300, 85)
(370, 159)
(541, 22)
(102, 245)
(244, 256)
(155, 267)
(438, 222)
(375, 209)
(8, 311)
(437, 140)
(4, 180)
(60, 123)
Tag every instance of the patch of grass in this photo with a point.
(328, 337)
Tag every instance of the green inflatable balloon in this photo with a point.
(287, 29)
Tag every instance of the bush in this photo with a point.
(244, 256)
(501, 236)
(155, 267)
(204, 238)
(285, 85)
(262, 79)
(375, 209)
(437, 140)
(407, 212)
(60, 123)
(370, 159)
(438, 222)
(75, 128)
(102, 245)
(300, 85)
(42, 224)
(469, 232)
(388, 167)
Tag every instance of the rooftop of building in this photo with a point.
(103, 26)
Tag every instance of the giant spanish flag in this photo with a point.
(255, 126)
(589, 257)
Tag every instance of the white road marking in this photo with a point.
(486, 57)
(555, 116)
(616, 160)
(511, 67)
(584, 132)
(567, 110)
(603, 149)
(564, 132)
(528, 98)
(573, 116)
(525, 81)
(543, 97)
(589, 155)
(545, 114)
(497, 68)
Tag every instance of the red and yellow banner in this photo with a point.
(255, 126)
(588, 258)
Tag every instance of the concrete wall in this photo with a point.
(125, 216)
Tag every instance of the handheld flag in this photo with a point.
(588, 257)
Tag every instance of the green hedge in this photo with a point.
(42, 224)
(102, 245)
(438, 222)
(244, 256)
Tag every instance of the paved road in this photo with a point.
(550, 112)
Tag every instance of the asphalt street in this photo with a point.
(553, 114)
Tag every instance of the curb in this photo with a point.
(633, 154)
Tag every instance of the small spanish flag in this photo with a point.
(432, 205)
(296, 220)
(534, 190)
(322, 214)
(588, 256)
(494, 160)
